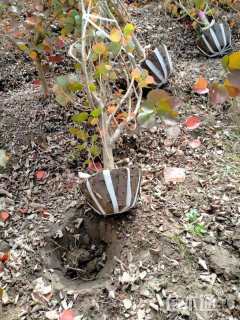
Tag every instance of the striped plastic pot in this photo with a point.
(215, 40)
(113, 191)
(159, 65)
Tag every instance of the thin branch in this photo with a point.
(124, 98)
(123, 124)
(83, 51)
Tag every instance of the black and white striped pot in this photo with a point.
(159, 65)
(215, 40)
(113, 191)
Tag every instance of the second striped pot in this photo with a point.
(215, 40)
(113, 191)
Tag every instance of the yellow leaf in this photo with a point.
(149, 80)
(234, 61)
(136, 74)
(100, 48)
(94, 121)
(232, 91)
(33, 55)
(111, 108)
(115, 35)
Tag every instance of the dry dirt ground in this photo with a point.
(150, 263)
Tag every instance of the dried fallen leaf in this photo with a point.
(172, 174)
(67, 315)
(173, 132)
(3, 158)
(4, 216)
(192, 122)
(3, 296)
(201, 86)
(40, 175)
(218, 94)
(42, 292)
(194, 143)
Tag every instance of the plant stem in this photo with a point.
(108, 160)
(41, 76)
(121, 14)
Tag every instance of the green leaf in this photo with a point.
(62, 81)
(80, 134)
(95, 151)
(75, 86)
(128, 29)
(74, 13)
(94, 138)
(78, 20)
(146, 117)
(92, 87)
(101, 70)
(192, 215)
(199, 229)
(81, 147)
(115, 48)
(96, 113)
(162, 102)
(77, 66)
(22, 46)
(80, 117)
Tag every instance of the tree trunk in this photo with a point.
(108, 161)
(42, 76)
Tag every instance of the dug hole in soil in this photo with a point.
(81, 251)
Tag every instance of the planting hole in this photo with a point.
(83, 247)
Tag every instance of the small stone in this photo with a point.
(145, 293)
(142, 275)
(223, 262)
(202, 263)
(154, 306)
(126, 278)
(160, 301)
(111, 294)
(127, 304)
(141, 314)
(51, 315)
(4, 246)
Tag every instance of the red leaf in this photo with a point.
(4, 216)
(95, 166)
(40, 175)
(4, 256)
(36, 82)
(55, 59)
(192, 122)
(67, 315)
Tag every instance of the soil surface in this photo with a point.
(151, 263)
